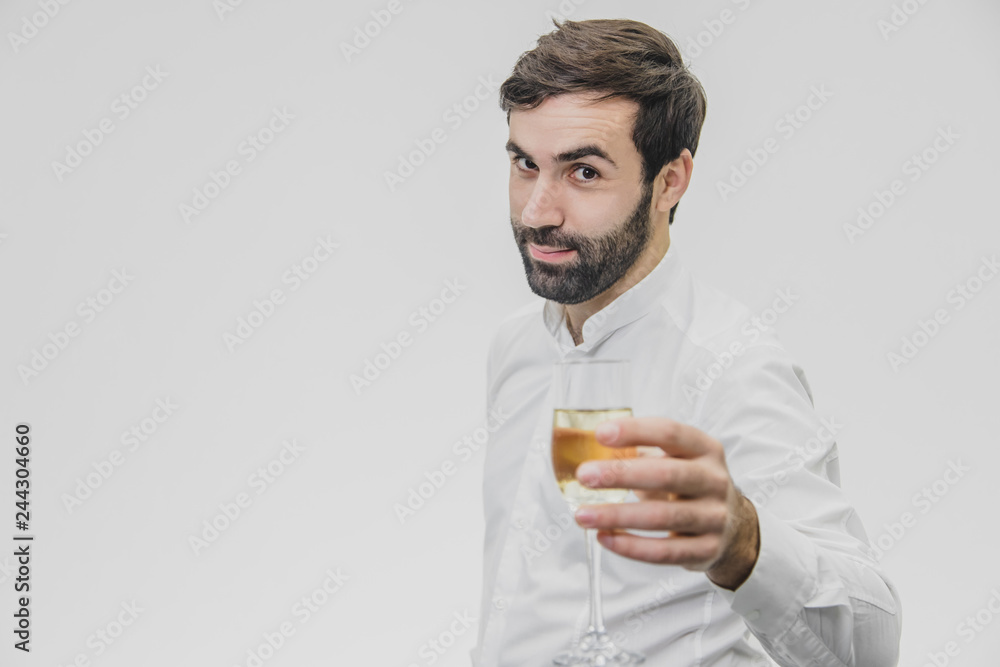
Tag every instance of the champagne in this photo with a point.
(585, 393)
(573, 442)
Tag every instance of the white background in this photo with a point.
(324, 175)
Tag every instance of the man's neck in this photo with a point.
(577, 314)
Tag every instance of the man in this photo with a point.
(604, 122)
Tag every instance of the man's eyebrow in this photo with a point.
(585, 151)
(566, 156)
(517, 150)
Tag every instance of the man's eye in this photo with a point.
(524, 163)
(586, 173)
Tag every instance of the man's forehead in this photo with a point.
(564, 122)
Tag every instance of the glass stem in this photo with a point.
(594, 567)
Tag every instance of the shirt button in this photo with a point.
(752, 615)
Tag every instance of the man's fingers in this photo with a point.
(664, 474)
(697, 552)
(673, 437)
(680, 516)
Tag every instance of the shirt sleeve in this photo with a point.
(816, 596)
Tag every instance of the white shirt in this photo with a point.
(815, 595)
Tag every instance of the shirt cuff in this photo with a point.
(783, 579)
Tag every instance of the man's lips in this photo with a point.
(548, 253)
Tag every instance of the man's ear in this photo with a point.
(672, 182)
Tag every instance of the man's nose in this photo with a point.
(543, 208)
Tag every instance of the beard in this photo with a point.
(599, 263)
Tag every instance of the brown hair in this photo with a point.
(616, 58)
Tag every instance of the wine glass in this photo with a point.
(586, 393)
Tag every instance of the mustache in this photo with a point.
(546, 236)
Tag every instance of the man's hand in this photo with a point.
(688, 492)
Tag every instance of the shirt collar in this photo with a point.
(627, 308)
